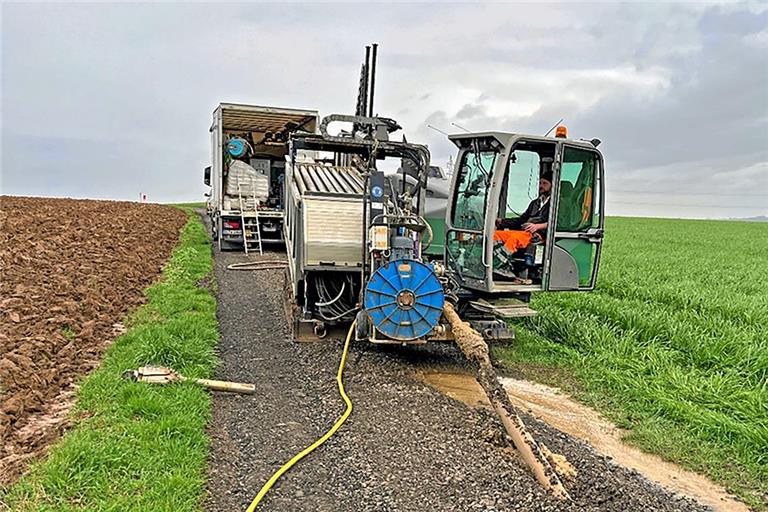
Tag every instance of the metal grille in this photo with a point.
(315, 178)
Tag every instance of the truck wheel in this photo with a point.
(230, 246)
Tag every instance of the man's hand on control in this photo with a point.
(532, 228)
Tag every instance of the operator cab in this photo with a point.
(497, 184)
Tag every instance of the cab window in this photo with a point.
(578, 197)
(522, 182)
(472, 189)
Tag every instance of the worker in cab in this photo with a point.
(513, 235)
(532, 224)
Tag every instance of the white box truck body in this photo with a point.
(235, 198)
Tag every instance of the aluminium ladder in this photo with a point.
(254, 224)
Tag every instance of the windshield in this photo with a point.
(472, 189)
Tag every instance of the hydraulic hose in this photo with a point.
(309, 449)
(258, 265)
(425, 245)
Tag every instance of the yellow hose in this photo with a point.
(306, 451)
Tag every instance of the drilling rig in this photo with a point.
(356, 240)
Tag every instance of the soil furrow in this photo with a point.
(71, 269)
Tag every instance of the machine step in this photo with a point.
(505, 309)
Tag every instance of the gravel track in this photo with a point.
(405, 447)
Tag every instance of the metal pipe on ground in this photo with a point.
(534, 455)
(163, 375)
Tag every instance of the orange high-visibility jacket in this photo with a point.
(513, 240)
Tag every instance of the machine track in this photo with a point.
(406, 445)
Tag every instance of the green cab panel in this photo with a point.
(583, 253)
(437, 247)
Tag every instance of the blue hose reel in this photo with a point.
(404, 299)
(237, 147)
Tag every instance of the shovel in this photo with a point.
(163, 375)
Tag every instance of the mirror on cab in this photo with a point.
(207, 176)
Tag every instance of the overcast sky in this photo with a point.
(111, 100)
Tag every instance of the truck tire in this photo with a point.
(230, 246)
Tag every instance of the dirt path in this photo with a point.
(575, 419)
(406, 446)
(70, 270)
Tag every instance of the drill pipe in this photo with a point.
(475, 349)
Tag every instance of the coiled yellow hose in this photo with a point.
(309, 449)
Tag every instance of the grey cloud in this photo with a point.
(704, 135)
(737, 23)
(717, 106)
(108, 171)
(108, 100)
(469, 111)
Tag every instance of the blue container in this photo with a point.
(237, 147)
(404, 299)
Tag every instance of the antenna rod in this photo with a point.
(555, 126)
(373, 78)
(364, 113)
(461, 127)
(437, 129)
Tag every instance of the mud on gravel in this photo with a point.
(71, 270)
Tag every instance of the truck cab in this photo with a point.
(497, 177)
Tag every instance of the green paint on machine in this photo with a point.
(435, 249)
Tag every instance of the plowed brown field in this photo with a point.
(69, 271)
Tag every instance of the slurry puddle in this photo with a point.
(558, 410)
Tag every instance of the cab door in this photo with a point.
(574, 246)
(467, 216)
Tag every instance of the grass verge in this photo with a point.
(140, 447)
(673, 345)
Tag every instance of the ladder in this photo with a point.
(253, 227)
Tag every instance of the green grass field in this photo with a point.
(200, 204)
(673, 345)
(140, 447)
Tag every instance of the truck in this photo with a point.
(387, 251)
(249, 145)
